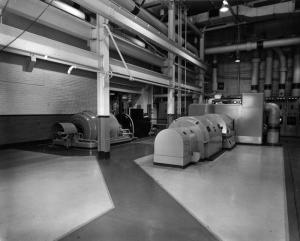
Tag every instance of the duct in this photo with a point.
(215, 74)
(135, 9)
(255, 73)
(296, 74)
(124, 19)
(253, 45)
(268, 75)
(80, 29)
(282, 70)
(245, 13)
(273, 116)
(128, 48)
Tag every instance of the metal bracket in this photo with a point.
(119, 52)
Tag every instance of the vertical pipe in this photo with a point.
(179, 71)
(255, 72)
(215, 74)
(171, 57)
(268, 75)
(282, 70)
(296, 74)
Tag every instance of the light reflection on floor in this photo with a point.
(240, 196)
(44, 200)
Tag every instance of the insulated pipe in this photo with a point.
(255, 73)
(126, 46)
(296, 75)
(253, 45)
(137, 10)
(268, 75)
(273, 113)
(215, 74)
(282, 70)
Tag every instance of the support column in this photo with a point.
(171, 66)
(103, 107)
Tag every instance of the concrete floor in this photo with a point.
(244, 187)
(143, 210)
(43, 196)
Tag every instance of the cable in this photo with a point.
(26, 29)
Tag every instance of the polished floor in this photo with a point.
(44, 196)
(136, 206)
(244, 187)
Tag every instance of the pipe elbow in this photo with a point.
(273, 113)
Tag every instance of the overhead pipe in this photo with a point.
(282, 70)
(273, 115)
(268, 75)
(255, 72)
(137, 10)
(215, 74)
(130, 49)
(127, 46)
(253, 45)
(296, 74)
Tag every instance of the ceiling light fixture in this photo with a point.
(225, 6)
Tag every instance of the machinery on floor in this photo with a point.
(193, 138)
(82, 131)
(209, 128)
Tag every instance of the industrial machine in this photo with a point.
(193, 138)
(250, 114)
(82, 131)
(290, 114)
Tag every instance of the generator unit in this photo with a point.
(82, 131)
(193, 138)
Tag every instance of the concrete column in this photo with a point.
(268, 75)
(215, 74)
(103, 107)
(171, 66)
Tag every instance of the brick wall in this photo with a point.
(30, 102)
